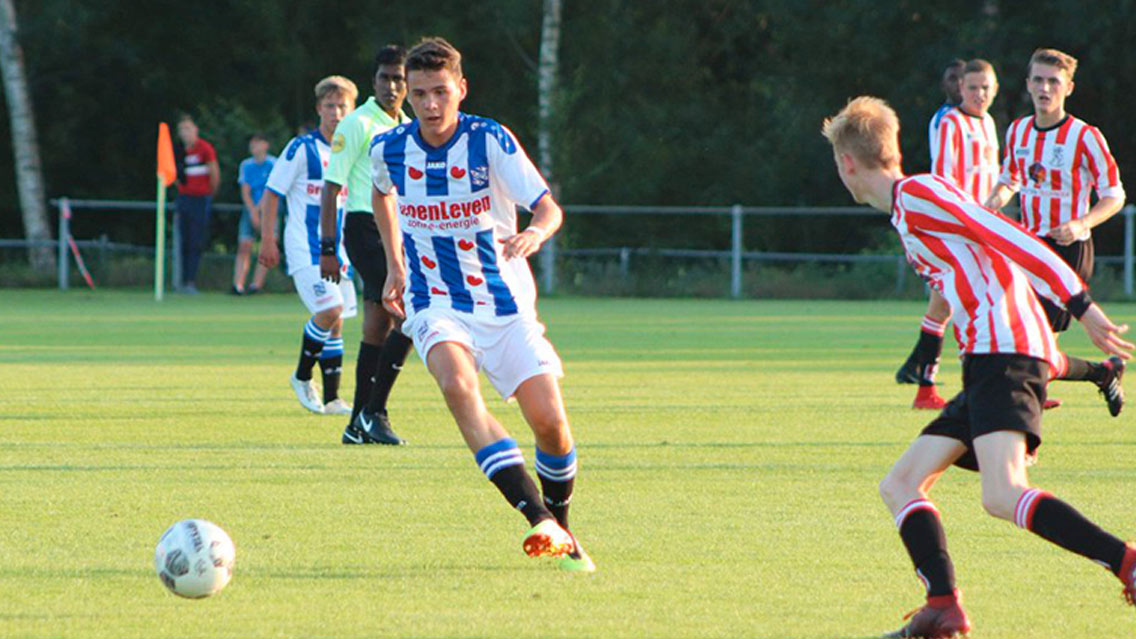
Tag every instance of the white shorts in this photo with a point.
(319, 294)
(509, 351)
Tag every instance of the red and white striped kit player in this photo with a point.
(966, 152)
(984, 265)
(1054, 170)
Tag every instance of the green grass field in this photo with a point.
(730, 453)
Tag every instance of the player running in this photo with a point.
(1054, 161)
(964, 150)
(297, 176)
(445, 188)
(383, 349)
(988, 268)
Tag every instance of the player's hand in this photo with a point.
(1106, 335)
(1068, 232)
(522, 244)
(269, 255)
(392, 293)
(329, 268)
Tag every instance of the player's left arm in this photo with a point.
(546, 220)
(1106, 179)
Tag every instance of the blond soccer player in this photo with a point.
(988, 268)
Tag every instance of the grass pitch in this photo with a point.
(730, 453)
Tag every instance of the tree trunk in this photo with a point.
(549, 67)
(546, 86)
(25, 147)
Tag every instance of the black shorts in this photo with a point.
(365, 250)
(999, 392)
(1079, 256)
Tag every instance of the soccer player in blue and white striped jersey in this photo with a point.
(446, 189)
(298, 177)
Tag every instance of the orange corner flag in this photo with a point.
(167, 169)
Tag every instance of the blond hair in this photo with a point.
(867, 129)
(1054, 58)
(336, 84)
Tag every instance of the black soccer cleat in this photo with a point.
(909, 372)
(1109, 385)
(371, 428)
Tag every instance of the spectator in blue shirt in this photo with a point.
(253, 176)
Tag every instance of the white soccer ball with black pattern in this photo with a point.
(194, 558)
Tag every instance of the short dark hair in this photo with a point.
(258, 136)
(390, 54)
(953, 63)
(434, 54)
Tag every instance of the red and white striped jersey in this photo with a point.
(966, 152)
(1054, 170)
(986, 266)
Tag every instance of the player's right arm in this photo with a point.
(329, 194)
(946, 160)
(386, 218)
(269, 255)
(280, 180)
(1009, 181)
(347, 148)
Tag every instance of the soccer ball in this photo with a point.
(194, 558)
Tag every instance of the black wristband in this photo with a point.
(327, 246)
(1079, 303)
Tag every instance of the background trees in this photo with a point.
(673, 102)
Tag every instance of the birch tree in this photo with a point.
(25, 147)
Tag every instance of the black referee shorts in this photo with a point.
(999, 392)
(365, 250)
(1079, 256)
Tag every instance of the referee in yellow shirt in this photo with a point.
(384, 349)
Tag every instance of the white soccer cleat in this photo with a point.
(337, 407)
(308, 394)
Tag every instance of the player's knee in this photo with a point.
(328, 317)
(547, 422)
(891, 490)
(999, 502)
(457, 386)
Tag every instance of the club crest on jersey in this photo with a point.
(1057, 158)
(479, 176)
(1037, 172)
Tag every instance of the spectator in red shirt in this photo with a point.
(198, 178)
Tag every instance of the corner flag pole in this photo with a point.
(167, 173)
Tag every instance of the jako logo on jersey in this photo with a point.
(446, 210)
(436, 165)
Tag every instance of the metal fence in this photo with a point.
(735, 253)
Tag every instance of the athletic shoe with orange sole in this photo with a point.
(548, 539)
(927, 398)
(1128, 573)
(941, 618)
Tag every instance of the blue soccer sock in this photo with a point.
(504, 465)
(310, 349)
(557, 477)
(331, 367)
